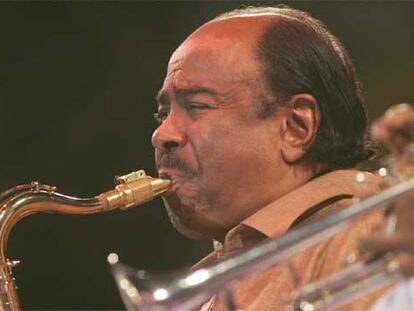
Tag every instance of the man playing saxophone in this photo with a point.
(261, 122)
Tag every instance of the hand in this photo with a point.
(396, 130)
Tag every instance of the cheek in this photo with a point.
(236, 152)
(214, 146)
(221, 155)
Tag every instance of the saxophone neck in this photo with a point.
(132, 189)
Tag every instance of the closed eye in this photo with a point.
(196, 105)
(193, 109)
(196, 109)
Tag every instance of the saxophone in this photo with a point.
(132, 189)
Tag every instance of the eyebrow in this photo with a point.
(163, 98)
(195, 90)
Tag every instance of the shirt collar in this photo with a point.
(276, 218)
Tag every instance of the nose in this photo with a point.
(168, 136)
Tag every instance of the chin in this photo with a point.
(189, 233)
(183, 217)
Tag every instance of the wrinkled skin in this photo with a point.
(223, 161)
(396, 130)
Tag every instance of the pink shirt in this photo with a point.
(274, 288)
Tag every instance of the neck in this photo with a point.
(289, 179)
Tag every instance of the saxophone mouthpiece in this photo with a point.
(160, 186)
(133, 189)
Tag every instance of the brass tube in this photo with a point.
(25, 200)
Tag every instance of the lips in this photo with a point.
(172, 174)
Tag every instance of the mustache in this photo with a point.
(173, 162)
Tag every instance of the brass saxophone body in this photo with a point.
(133, 189)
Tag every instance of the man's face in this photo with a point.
(223, 161)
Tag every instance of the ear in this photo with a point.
(301, 122)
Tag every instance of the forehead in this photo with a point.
(220, 51)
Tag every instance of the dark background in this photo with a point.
(77, 81)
